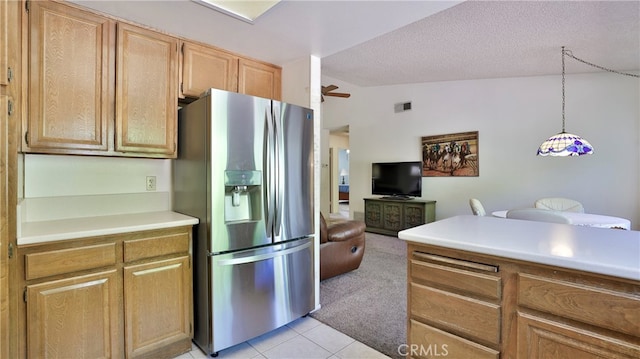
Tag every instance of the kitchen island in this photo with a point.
(487, 287)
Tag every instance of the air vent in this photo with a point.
(401, 107)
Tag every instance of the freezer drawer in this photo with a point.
(256, 291)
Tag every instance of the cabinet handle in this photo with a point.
(457, 262)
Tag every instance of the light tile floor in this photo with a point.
(302, 339)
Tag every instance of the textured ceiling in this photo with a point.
(373, 43)
(482, 39)
(289, 31)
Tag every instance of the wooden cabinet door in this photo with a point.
(259, 79)
(69, 78)
(5, 181)
(74, 318)
(157, 299)
(4, 29)
(206, 67)
(146, 94)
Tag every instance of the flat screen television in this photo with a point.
(401, 180)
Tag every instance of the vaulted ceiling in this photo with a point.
(373, 43)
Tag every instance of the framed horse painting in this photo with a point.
(450, 155)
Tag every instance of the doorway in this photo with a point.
(343, 182)
(339, 187)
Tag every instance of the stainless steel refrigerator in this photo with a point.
(245, 169)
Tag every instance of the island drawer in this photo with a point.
(61, 261)
(471, 318)
(543, 338)
(156, 246)
(427, 342)
(461, 276)
(607, 309)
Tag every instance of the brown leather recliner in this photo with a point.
(341, 247)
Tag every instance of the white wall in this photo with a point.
(301, 86)
(58, 187)
(57, 176)
(513, 116)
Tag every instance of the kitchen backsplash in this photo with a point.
(65, 207)
(61, 176)
(61, 187)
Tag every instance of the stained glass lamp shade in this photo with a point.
(565, 144)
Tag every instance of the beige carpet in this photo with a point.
(369, 304)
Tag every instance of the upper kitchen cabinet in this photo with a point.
(205, 67)
(4, 29)
(95, 92)
(259, 79)
(70, 61)
(146, 91)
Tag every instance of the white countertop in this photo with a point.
(605, 251)
(585, 219)
(62, 229)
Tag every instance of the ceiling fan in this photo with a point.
(326, 91)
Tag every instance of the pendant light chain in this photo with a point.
(563, 53)
(570, 54)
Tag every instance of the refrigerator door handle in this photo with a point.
(268, 165)
(261, 257)
(279, 154)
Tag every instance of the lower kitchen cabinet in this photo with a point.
(469, 305)
(156, 307)
(74, 318)
(117, 296)
(563, 317)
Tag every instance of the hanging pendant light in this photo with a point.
(565, 144)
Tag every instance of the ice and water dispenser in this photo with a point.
(242, 197)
